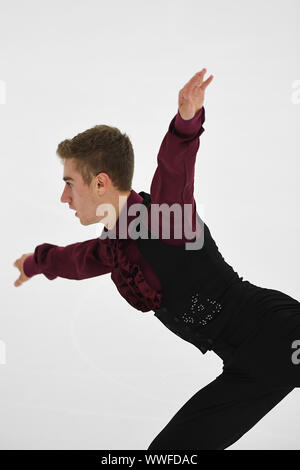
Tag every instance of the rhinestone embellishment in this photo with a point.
(201, 312)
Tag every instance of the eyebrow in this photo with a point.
(66, 178)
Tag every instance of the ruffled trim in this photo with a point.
(130, 282)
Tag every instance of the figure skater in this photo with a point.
(182, 278)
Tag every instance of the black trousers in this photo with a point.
(259, 346)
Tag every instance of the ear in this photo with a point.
(102, 179)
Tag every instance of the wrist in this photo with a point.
(186, 117)
(189, 126)
(30, 267)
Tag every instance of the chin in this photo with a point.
(87, 222)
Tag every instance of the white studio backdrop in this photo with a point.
(80, 368)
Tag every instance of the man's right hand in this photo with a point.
(191, 96)
(19, 264)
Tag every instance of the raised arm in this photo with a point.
(173, 180)
(79, 260)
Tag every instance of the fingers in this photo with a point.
(207, 82)
(200, 82)
(18, 282)
(196, 81)
(198, 76)
(20, 279)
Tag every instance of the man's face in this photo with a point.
(82, 198)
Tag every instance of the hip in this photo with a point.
(255, 307)
(242, 310)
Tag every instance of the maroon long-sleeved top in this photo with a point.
(173, 182)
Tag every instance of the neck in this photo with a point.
(118, 203)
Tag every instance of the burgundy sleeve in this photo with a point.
(173, 180)
(79, 260)
(187, 128)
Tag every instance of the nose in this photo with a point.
(65, 197)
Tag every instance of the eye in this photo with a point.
(69, 184)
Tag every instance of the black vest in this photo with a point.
(193, 281)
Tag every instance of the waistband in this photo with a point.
(209, 336)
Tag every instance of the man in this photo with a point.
(87, 193)
(194, 293)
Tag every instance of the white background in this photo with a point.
(83, 369)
